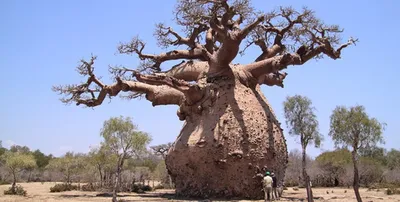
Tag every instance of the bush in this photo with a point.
(88, 187)
(3, 182)
(139, 188)
(19, 190)
(63, 187)
(392, 191)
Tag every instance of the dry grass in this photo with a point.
(40, 192)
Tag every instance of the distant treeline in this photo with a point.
(377, 167)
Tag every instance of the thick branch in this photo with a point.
(187, 70)
(273, 79)
(83, 94)
(210, 41)
(245, 31)
(192, 92)
(136, 46)
(277, 63)
(278, 47)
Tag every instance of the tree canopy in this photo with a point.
(301, 119)
(352, 127)
(214, 33)
(123, 138)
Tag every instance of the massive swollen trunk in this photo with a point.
(220, 151)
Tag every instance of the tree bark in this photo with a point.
(170, 182)
(101, 176)
(306, 178)
(14, 182)
(356, 183)
(29, 176)
(117, 179)
(220, 151)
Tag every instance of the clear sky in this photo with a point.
(42, 41)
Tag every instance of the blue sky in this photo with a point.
(42, 41)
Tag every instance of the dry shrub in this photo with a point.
(19, 190)
(63, 187)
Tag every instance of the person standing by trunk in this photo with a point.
(267, 186)
(274, 187)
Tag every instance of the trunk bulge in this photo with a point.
(223, 147)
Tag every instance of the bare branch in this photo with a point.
(245, 31)
(187, 70)
(83, 94)
(277, 63)
(163, 36)
(136, 46)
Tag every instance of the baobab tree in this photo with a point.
(230, 132)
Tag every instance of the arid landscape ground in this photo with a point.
(40, 192)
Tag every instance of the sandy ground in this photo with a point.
(40, 192)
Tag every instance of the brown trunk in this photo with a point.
(221, 148)
(14, 182)
(356, 179)
(29, 176)
(101, 177)
(170, 182)
(306, 178)
(117, 180)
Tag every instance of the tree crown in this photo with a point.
(214, 33)
(301, 119)
(352, 127)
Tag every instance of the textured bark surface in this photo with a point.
(220, 151)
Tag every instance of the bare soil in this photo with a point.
(40, 192)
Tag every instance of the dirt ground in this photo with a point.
(40, 192)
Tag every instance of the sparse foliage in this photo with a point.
(124, 140)
(302, 122)
(352, 127)
(69, 165)
(15, 163)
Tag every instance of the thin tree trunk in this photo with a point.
(14, 182)
(117, 179)
(306, 177)
(101, 177)
(29, 176)
(170, 182)
(356, 183)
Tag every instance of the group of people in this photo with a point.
(270, 185)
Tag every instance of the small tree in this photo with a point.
(16, 162)
(101, 158)
(355, 129)
(302, 121)
(393, 159)
(123, 138)
(68, 165)
(162, 150)
(42, 160)
(333, 165)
